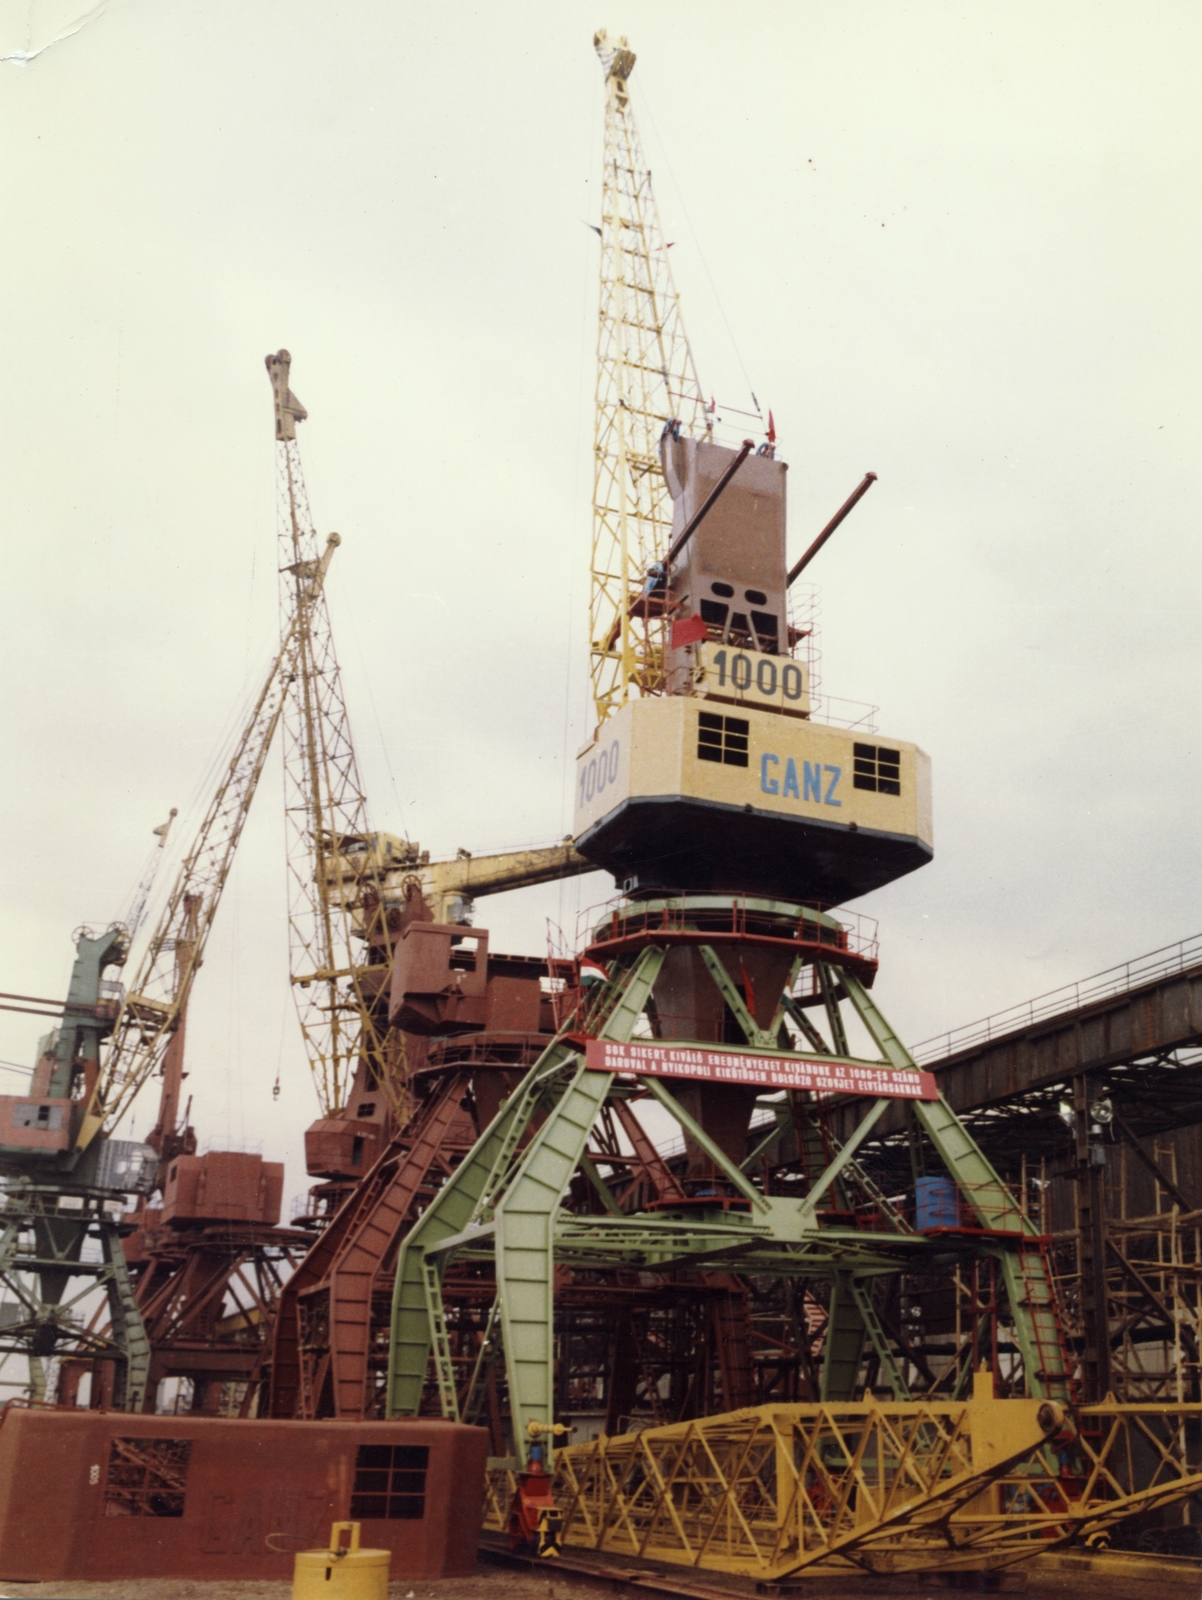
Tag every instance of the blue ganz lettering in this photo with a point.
(812, 778)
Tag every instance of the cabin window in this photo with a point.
(47, 1118)
(724, 589)
(766, 629)
(390, 1482)
(722, 739)
(877, 768)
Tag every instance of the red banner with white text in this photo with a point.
(827, 1075)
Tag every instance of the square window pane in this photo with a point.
(406, 1507)
(371, 1481)
(368, 1507)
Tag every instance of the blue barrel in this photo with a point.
(936, 1204)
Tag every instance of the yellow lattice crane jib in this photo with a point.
(154, 1007)
(645, 380)
(324, 802)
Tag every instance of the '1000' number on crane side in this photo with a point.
(600, 773)
(740, 670)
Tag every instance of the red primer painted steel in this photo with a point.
(223, 1186)
(106, 1496)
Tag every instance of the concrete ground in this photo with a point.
(1180, 1581)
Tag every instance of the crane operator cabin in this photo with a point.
(724, 783)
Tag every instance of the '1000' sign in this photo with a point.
(600, 773)
(738, 671)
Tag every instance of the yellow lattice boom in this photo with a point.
(878, 1486)
(645, 379)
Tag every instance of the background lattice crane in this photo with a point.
(154, 1006)
(61, 1166)
(325, 807)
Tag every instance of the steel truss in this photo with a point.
(324, 801)
(209, 1298)
(1094, 1160)
(503, 1207)
(56, 1251)
(646, 378)
(770, 1491)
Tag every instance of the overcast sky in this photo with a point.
(954, 244)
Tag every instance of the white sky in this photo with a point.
(955, 244)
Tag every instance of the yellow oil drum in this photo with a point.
(343, 1572)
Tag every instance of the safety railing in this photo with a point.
(1129, 975)
(851, 932)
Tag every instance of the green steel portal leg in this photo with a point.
(524, 1198)
(1032, 1302)
(448, 1214)
(525, 1219)
(1036, 1325)
(989, 1197)
(132, 1374)
(845, 1334)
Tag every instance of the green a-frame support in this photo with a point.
(504, 1205)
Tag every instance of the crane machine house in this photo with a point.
(725, 782)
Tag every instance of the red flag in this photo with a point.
(687, 630)
(771, 428)
(592, 972)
